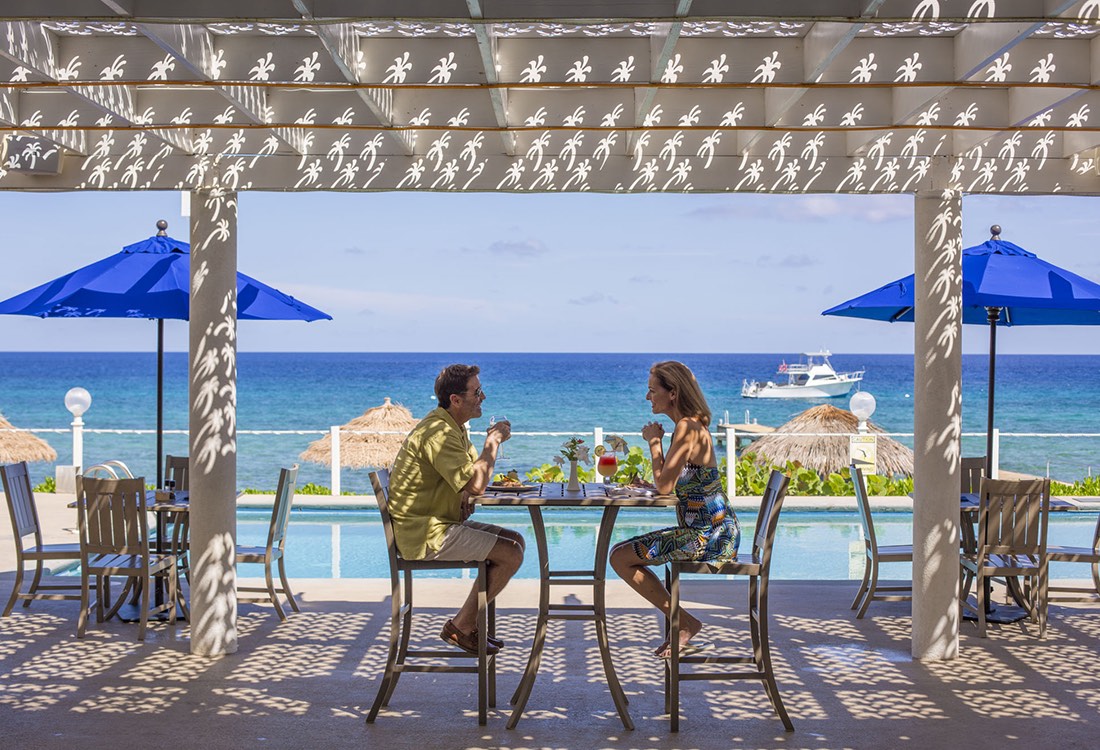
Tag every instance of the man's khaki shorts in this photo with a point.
(468, 541)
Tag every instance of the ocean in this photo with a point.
(537, 392)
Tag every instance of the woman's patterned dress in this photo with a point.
(708, 528)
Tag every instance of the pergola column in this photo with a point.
(937, 407)
(212, 396)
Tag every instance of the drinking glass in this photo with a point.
(492, 421)
(607, 464)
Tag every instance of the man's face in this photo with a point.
(469, 401)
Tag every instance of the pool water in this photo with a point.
(809, 545)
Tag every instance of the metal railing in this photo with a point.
(727, 435)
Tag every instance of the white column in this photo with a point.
(334, 457)
(937, 422)
(731, 459)
(996, 457)
(213, 418)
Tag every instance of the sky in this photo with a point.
(488, 272)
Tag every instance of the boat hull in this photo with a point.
(817, 390)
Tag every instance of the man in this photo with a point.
(435, 477)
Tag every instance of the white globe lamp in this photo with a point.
(862, 404)
(77, 401)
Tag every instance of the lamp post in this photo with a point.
(77, 401)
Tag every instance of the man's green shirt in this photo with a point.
(434, 464)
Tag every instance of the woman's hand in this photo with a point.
(653, 431)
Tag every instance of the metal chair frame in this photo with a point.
(756, 566)
(24, 522)
(401, 613)
(274, 553)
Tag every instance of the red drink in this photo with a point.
(607, 465)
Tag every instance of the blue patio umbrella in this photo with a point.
(1002, 284)
(150, 279)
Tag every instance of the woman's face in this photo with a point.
(659, 396)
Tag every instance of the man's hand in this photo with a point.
(499, 432)
(466, 509)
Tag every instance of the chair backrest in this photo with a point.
(177, 468)
(112, 516)
(973, 469)
(864, 505)
(380, 480)
(20, 496)
(1013, 515)
(280, 513)
(767, 520)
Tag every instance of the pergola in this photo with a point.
(935, 98)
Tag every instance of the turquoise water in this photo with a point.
(808, 546)
(539, 392)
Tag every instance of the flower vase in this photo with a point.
(574, 484)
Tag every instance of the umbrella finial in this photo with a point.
(995, 230)
(162, 228)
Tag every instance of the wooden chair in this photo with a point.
(1012, 541)
(114, 541)
(401, 612)
(275, 550)
(756, 566)
(1090, 556)
(24, 523)
(874, 553)
(973, 469)
(178, 470)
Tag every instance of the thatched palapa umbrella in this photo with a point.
(359, 451)
(828, 455)
(20, 445)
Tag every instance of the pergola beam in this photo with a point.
(487, 46)
(342, 46)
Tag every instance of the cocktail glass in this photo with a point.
(607, 464)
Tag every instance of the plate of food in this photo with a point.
(510, 482)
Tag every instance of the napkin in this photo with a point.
(630, 492)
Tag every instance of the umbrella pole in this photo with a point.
(160, 400)
(993, 314)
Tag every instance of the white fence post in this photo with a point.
(731, 460)
(335, 550)
(597, 437)
(78, 443)
(335, 457)
(995, 459)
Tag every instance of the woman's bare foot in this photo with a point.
(689, 628)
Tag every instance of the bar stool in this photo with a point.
(756, 567)
(400, 655)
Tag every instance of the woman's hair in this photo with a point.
(675, 376)
(452, 380)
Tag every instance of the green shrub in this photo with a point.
(49, 484)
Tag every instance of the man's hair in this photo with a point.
(452, 380)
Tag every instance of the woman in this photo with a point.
(708, 529)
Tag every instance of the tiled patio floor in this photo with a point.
(308, 682)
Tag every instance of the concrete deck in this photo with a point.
(309, 682)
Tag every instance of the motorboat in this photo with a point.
(812, 378)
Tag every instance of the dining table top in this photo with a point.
(589, 495)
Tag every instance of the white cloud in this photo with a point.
(518, 248)
(595, 298)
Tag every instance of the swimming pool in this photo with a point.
(809, 545)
